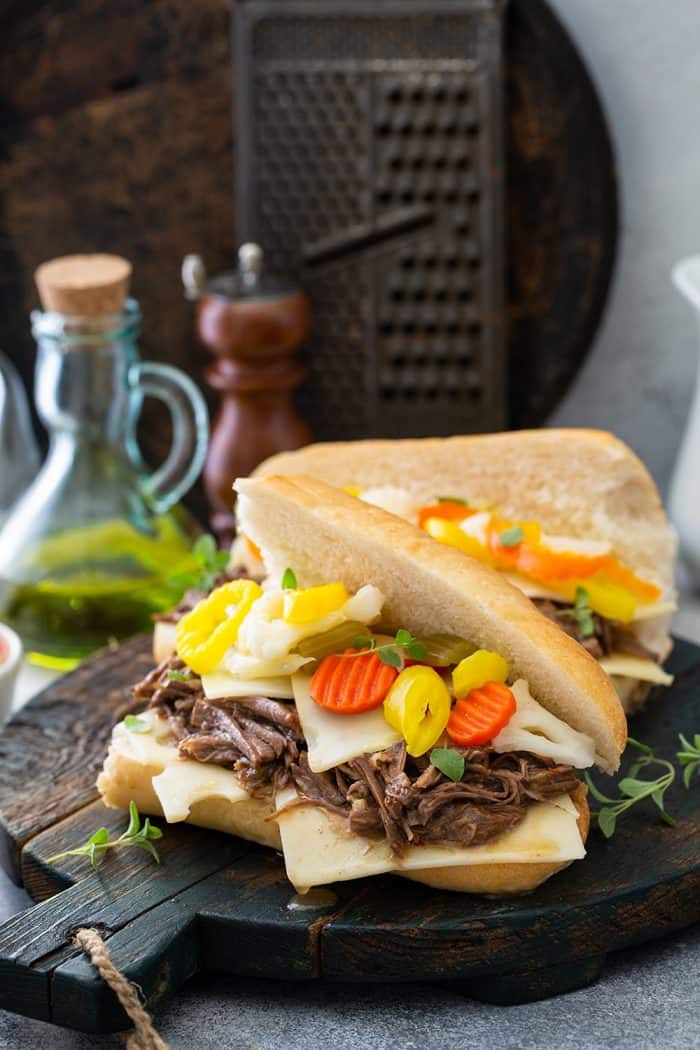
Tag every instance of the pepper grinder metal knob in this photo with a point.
(254, 324)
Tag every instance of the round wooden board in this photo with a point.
(67, 188)
(218, 903)
(562, 213)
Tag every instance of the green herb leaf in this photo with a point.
(404, 637)
(452, 499)
(136, 725)
(389, 655)
(584, 613)
(200, 569)
(606, 819)
(634, 789)
(99, 842)
(364, 643)
(289, 580)
(511, 537)
(417, 650)
(204, 550)
(449, 762)
(179, 676)
(689, 757)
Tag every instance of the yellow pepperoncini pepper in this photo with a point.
(451, 534)
(609, 599)
(418, 707)
(313, 603)
(205, 634)
(476, 670)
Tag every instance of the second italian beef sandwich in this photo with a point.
(380, 703)
(571, 517)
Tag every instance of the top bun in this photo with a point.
(325, 534)
(582, 483)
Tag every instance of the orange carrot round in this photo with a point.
(481, 715)
(349, 684)
(449, 509)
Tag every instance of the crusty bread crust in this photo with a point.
(582, 483)
(324, 534)
(124, 779)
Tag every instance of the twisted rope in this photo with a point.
(144, 1036)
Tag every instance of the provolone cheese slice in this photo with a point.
(185, 782)
(634, 667)
(333, 739)
(319, 850)
(155, 748)
(178, 782)
(220, 684)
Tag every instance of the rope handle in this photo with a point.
(144, 1036)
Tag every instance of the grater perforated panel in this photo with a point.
(369, 166)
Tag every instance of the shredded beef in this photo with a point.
(609, 636)
(411, 802)
(386, 794)
(257, 737)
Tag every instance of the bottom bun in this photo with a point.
(124, 779)
(501, 879)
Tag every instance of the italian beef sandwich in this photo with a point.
(379, 703)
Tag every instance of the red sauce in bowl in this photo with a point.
(4, 650)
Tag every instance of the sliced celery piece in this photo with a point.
(333, 641)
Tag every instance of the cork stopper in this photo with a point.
(84, 285)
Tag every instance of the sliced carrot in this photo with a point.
(481, 715)
(349, 684)
(450, 510)
(253, 548)
(544, 564)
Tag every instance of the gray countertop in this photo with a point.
(647, 997)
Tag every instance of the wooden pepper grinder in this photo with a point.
(254, 324)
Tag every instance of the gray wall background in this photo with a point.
(644, 57)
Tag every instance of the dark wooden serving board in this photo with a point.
(218, 903)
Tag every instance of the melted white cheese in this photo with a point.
(634, 667)
(534, 729)
(266, 636)
(476, 526)
(333, 739)
(178, 782)
(318, 849)
(184, 782)
(396, 500)
(220, 684)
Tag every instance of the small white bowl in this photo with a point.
(10, 660)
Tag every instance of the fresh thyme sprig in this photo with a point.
(689, 757)
(136, 834)
(634, 790)
(393, 653)
(202, 567)
(581, 612)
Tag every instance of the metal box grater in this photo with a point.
(369, 165)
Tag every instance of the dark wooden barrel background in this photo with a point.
(116, 134)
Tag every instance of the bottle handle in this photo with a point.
(190, 424)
